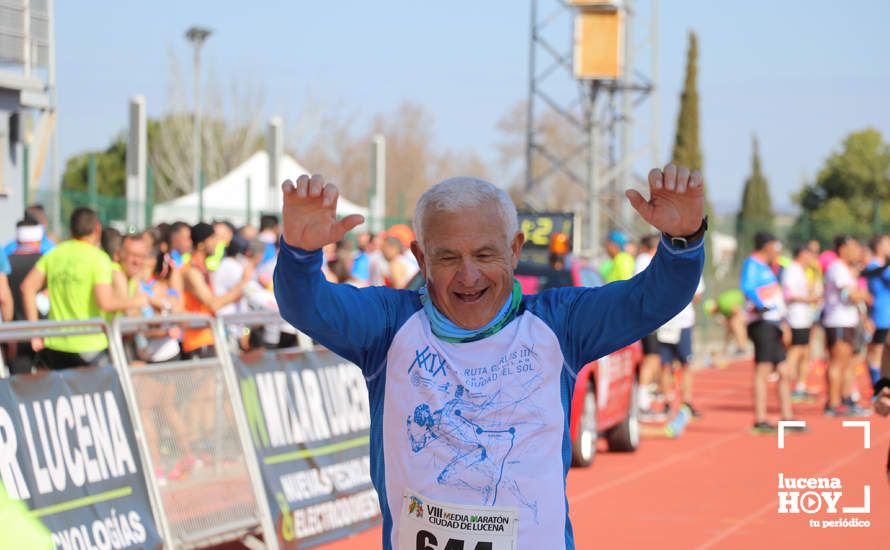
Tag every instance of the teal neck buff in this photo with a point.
(445, 329)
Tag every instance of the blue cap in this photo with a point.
(618, 238)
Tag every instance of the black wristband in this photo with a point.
(689, 241)
(881, 384)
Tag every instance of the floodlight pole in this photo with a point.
(197, 35)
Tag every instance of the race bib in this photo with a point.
(427, 524)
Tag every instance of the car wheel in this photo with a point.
(584, 445)
(625, 437)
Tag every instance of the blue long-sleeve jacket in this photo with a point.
(482, 423)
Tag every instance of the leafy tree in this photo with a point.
(756, 213)
(111, 170)
(851, 193)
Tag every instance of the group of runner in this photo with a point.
(840, 295)
(784, 305)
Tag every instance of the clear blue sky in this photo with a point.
(799, 73)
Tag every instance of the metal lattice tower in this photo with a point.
(597, 147)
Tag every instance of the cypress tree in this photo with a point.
(687, 151)
(756, 213)
(687, 148)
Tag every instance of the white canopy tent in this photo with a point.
(231, 197)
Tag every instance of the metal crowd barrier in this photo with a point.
(202, 464)
(23, 331)
(204, 482)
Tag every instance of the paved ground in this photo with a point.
(716, 486)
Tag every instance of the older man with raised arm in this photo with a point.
(470, 382)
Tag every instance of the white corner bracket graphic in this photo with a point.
(790, 424)
(866, 503)
(866, 430)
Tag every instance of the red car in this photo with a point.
(604, 403)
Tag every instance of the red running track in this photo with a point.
(715, 487)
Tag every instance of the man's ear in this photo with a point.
(516, 247)
(418, 255)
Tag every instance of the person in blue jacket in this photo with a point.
(470, 382)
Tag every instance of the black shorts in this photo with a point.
(880, 336)
(834, 335)
(650, 344)
(800, 336)
(59, 360)
(767, 338)
(681, 351)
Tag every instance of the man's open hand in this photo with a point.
(677, 200)
(309, 213)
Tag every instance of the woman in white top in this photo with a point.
(801, 297)
(841, 319)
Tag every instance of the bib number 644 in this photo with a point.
(428, 541)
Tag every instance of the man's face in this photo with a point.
(806, 257)
(814, 247)
(222, 231)
(468, 264)
(772, 250)
(850, 252)
(133, 255)
(182, 240)
(390, 251)
(612, 248)
(208, 245)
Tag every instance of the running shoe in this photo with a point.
(676, 426)
(692, 410)
(853, 408)
(800, 429)
(836, 412)
(801, 396)
(857, 411)
(764, 428)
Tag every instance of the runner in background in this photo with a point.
(651, 363)
(270, 229)
(675, 347)
(801, 297)
(620, 265)
(34, 215)
(224, 231)
(730, 305)
(877, 272)
(401, 268)
(29, 235)
(199, 296)
(78, 275)
(111, 241)
(841, 320)
(179, 243)
(767, 328)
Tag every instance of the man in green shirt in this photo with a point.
(622, 265)
(77, 274)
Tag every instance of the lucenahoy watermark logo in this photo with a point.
(822, 495)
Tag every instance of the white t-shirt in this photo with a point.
(839, 312)
(224, 279)
(642, 262)
(683, 320)
(796, 286)
(686, 317)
